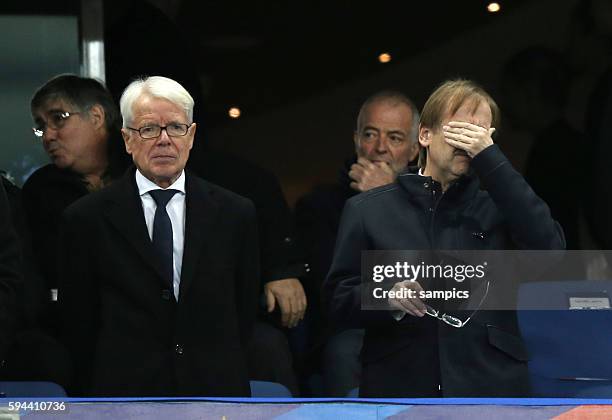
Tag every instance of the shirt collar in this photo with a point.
(145, 185)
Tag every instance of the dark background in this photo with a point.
(299, 70)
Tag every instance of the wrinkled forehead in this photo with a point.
(474, 109)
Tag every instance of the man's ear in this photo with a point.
(126, 140)
(97, 116)
(425, 135)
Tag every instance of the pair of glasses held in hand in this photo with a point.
(451, 320)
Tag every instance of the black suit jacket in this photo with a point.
(126, 333)
(46, 194)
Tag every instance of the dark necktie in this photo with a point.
(162, 231)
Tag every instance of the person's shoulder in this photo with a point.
(40, 176)
(91, 204)
(88, 205)
(50, 175)
(221, 195)
(376, 196)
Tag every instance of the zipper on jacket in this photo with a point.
(433, 209)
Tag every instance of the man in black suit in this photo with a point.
(9, 275)
(159, 270)
(412, 352)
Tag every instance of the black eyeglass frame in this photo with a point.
(161, 128)
(63, 117)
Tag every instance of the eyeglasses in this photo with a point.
(55, 120)
(451, 320)
(149, 132)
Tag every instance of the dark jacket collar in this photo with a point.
(123, 209)
(464, 188)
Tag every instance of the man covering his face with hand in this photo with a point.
(464, 195)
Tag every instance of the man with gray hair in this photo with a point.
(159, 270)
(385, 142)
(385, 139)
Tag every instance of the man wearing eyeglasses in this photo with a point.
(159, 270)
(415, 349)
(77, 123)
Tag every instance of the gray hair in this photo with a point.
(156, 87)
(393, 98)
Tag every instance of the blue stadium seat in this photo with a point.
(263, 389)
(31, 389)
(353, 393)
(570, 351)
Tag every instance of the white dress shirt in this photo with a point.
(176, 212)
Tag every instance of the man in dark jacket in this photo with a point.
(385, 141)
(75, 119)
(440, 206)
(10, 275)
(159, 271)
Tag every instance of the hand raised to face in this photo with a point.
(468, 137)
(367, 175)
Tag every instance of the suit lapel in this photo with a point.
(200, 230)
(124, 211)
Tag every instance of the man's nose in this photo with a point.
(49, 134)
(381, 145)
(163, 138)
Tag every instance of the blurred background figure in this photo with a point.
(534, 88)
(78, 124)
(598, 199)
